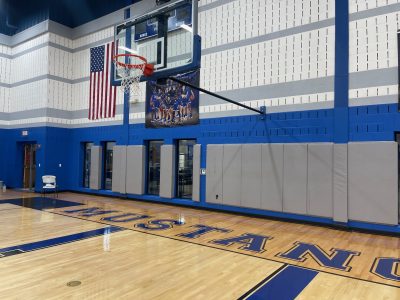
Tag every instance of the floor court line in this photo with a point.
(19, 249)
(261, 283)
(285, 284)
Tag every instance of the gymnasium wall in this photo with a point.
(5, 65)
(280, 54)
(27, 82)
(289, 62)
(44, 85)
(373, 52)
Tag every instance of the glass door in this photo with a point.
(86, 164)
(108, 165)
(153, 167)
(185, 168)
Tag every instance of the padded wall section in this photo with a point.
(251, 176)
(167, 172)
(340, 183)
(232, 174)
(214, 174)
(196, 172)
(295, 178)
(272, 177)
(373, 186)
(119, 169)
(135, 173)
(96, 167)
(320, 180)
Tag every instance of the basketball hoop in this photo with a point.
(131, 67)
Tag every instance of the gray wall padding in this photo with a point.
(96, 167)
(167, 171)
(340, 178)
(232, 174)
(135, 173)
(251, 176)
(272, 177)
(119, 169)
(196, 172)
(295, 178)
(320, 180)
(373, 194)
(214, 174)
(355, 181)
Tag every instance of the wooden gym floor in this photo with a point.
(88, 247)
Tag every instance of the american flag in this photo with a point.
(103, 95)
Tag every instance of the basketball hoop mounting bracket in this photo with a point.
(263, 109)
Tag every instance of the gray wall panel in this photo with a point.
(295, 178)
(251, 176)
(214, 174)
(340, 183)
(232, 174)
(119, 169)
(167, 171)
(135, 173)
(196, 172)
(373, 194)
(96, 167)
(272, 177)
(320, 180)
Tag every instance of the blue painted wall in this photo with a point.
(373, 122)
(54, 148)
(65, 146)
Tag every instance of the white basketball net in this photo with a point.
(130, 76)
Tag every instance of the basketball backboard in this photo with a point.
(165, 35)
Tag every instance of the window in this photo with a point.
(87, 148)
(108, 165)
(185, 168)
(153, 167)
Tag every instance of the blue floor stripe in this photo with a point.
(9, 251)
(285, 285)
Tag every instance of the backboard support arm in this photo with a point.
(261, 111)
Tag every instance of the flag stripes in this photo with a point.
(102, 95)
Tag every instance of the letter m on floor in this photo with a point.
(337, 258)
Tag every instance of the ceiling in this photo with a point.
(18, 15)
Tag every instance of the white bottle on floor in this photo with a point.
(4, 188)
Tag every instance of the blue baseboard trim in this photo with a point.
(283, 216)
(98, 192)
(393, 229)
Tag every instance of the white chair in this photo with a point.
(49, 184)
